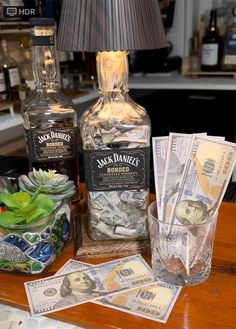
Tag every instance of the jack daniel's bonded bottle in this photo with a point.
(116, 143)
(50, 121)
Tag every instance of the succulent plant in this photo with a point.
(22, 208)
(56, 186)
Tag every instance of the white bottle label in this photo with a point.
(2, 83)
(14, 77)
(22, 95)
(210, 54)
(230, 60)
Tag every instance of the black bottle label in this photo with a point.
(116, 170)
(43, 40)
(51, 144)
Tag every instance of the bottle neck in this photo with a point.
(4, 47)
(112, 71)
(45, 67)
(44, 57)
(213, 21)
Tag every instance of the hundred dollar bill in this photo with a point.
(177, 152)
(59, 292)
(153, 301)
(73, 265)
(159, 146)
(207, 172)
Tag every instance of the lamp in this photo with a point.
(110, 25)
(115, 131)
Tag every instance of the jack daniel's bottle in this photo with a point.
(50, 121)
(116, 140)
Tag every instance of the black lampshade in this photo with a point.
(110, 25)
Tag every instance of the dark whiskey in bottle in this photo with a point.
(50, 121)
(211, 46)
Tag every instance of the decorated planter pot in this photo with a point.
(31, 248)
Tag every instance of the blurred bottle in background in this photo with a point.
(11, 72)
(211, 46)
(229, 55)
(223, 14)
(26, 69)
(194, 53)
(65, 59)
(3, 88)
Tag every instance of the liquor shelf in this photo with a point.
(14, 27)
(176, 81)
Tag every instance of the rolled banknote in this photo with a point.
(153, 301)
(177, 152)
(159, 146)
(59, 292)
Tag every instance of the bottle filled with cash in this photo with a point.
(116, 144)
(50, 121)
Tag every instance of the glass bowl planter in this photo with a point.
(31, 248)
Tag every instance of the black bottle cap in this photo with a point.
(41, 21)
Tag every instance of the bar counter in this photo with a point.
(205, 306)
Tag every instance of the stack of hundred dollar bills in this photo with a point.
(191, 176)
(191, 168)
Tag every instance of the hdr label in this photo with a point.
(18, 11)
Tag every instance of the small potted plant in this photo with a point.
(34, 220)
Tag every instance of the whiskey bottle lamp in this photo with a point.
(115, 131)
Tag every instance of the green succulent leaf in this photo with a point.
(21, 197)
(9, 200)
(27, 211)
(8, 218)
(35, 195)
(37, 215)
(15, 201)
(23, 208)
(44, 203)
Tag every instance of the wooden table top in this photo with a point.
(205, 306)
